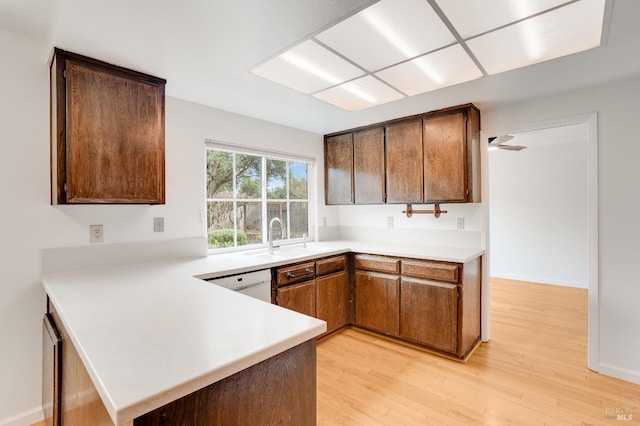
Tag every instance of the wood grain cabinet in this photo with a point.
(440, 304)
(107, 135)
(451, 156)
(427, 158)
(377, 294)
(429, 313)
(403, 149)
(434, 304)
(319, 288)
(377, 301)
(333, 292)
(369, 179)
(299, 297)
(295, 288)
(338, 162)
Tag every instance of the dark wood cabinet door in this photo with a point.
(368, 166)
(109, 133)
(445, 158)
(338, 163)
(429, 313)
(404, 173)
(377, 299)
(299, 297)
(333, 300)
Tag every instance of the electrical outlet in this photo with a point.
(461, 223)
(324, 222)
(96, 234)
(158, 224)
(389, 221)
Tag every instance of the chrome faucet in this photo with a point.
(271, 246)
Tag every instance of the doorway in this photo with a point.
(537, 228)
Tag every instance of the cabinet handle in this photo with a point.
(291, 275)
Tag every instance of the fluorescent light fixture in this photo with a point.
(388, 32)
(570, 29)
(404, 46)
(443, 68)
(471, 18)
(359, 94)
(308, 68)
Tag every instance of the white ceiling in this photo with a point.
(206, 49)
(409, 47)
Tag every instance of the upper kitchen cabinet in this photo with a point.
(338, 162)
(451, 156)
(403, 148)
(107, 133)
(368, 166)
(430, 158)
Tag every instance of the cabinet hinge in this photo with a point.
(65, 187)
(64, 73)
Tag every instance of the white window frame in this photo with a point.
(265, 155)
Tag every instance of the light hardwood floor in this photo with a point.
(532, 372)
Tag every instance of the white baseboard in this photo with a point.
(27, 418)
(539, 280)
(619, 373)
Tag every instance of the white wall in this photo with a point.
(539, 213)
(371, 223)
(28, 223)
(619, 174)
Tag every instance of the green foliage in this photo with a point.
(219, 238)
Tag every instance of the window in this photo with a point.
(245, 191)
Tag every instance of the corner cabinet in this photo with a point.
(426, 158)
(107, 133)
(318, 288)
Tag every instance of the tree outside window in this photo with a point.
(244, 192)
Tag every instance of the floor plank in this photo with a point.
(532, 372)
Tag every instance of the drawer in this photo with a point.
(371, 262)
(431, 270)
(328, 266)
(295, 273)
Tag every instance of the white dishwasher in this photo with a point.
(255, 284)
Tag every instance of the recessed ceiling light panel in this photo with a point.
(443, 68)
(471, 18)
(359, 94)
(388, 32)
(570, 29)
(308, 68)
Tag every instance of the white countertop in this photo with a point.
(151, 333)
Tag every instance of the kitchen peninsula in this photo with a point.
(153, 342)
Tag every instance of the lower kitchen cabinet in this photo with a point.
(377, 299)
(434, 304)
(429, 313)
(299, 297)
(333, 300)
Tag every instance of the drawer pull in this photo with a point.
(291, 275)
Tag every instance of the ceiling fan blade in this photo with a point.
(511, 147)
(502, 139)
